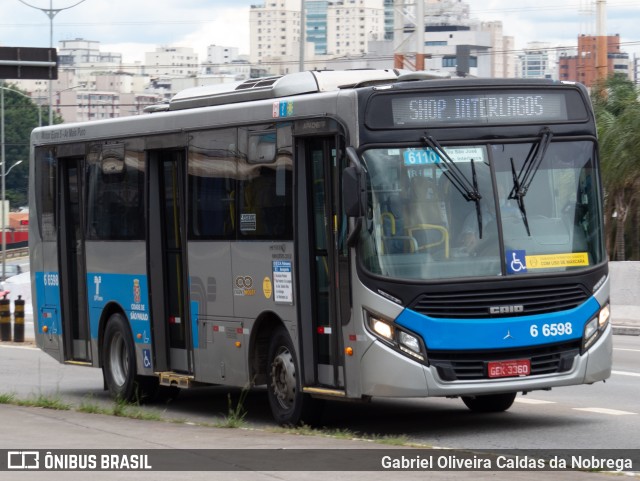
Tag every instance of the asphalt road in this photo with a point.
(603, 416)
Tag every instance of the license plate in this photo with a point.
(514, 368)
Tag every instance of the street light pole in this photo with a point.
(2, 155)
(51, 13)
(3, 174)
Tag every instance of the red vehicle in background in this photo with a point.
(17, 231)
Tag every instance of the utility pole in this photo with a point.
(303, 30)
(602, 67)
(408, 49)
(51, 13)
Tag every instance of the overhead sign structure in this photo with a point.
(28, 63)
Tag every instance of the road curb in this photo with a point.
(626, 331)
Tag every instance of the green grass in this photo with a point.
(234, 419)
(305, 430)
(47, 402)
(7, 398)
(235, 414)
(125, 409)
(89, 407)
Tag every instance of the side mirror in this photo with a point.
(354, 187)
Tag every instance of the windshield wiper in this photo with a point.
(468, 189)
(523, 179)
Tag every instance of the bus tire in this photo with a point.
(289, 405)
(119, 359)
(490, 403)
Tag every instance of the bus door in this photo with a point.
(167, 261)
(322, 246)
(71, 245)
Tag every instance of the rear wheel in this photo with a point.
(490, 403)
(288, 403)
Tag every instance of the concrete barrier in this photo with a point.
(625, 294)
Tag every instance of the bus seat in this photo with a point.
(400, 244)
(388, 223)
(426, 222)
(430, 236)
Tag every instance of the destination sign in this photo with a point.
(494, 108)
(475, 108)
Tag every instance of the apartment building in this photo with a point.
(352, 24)
(81, 51)
(275, 31)
(538, 60)
(582, 66)
(503, 58)
(332, 29)
(171, 61)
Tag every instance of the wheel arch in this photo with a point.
(264, 327)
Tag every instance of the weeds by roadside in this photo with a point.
(305, 430)
(40, 401)
(235, 414)
(234, 419)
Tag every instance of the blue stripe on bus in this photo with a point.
(48, 299)
(195, 309)
(499, 333)
(130, 291)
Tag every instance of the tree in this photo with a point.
(21, 116)
(618, 117)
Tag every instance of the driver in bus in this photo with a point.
(470, 235)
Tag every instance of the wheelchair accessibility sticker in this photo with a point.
(519, 262)
(516, 262)
(146, 358)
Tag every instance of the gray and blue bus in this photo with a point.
(339, 235)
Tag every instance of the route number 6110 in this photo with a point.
(551, 330)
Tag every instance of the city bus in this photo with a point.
(328, 235)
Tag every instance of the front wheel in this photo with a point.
(289, 405)
(119, 359)
(119, 366)
(490, 403)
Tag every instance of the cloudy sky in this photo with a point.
(137, 26)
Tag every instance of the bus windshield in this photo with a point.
(422, 225)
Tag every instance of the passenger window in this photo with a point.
(265, 191)
(212, 170)
(46, 164)
(115, 193)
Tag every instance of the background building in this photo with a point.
(339, 34)
(275, 34)
(171, 61)
(582, 66)
(538, 60)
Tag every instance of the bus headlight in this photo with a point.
(603, 316)
(595, 327)
(382, 328)
(401, 340)
(409, 344)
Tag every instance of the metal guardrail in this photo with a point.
(20, 252)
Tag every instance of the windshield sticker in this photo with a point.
(557, 260)
(247, 222)
(519, 262)
(516, 262)
(429, 156)
(420, 157)
(282, 282)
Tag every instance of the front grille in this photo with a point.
(469, 366)
(535, 300)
